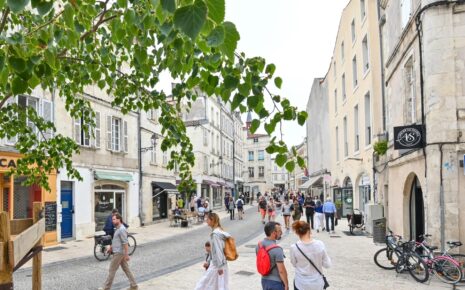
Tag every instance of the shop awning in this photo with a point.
(314, 181)
(165, 185)
(210, 183)
(112, 175)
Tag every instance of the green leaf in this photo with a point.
(18, 86)
(278, 82)
(230, 82)
(122, 3)
(252, 101)
(43, 7)
(68, 16)
(281, 159)
(288, 114)
(18, 64)
(17, 5)
(231, 38)
(301, 162)
(290, 165)
(270, 149)
(190, 19)
(302, 117)
(169, 5)
(269, 128)
(254, 126)
(216, 10)
(237, 100)
(270, 69)
(216, 37)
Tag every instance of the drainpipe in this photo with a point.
(382, 21)
(139, 159)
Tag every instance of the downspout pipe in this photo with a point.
(382, 21)
(139, 159)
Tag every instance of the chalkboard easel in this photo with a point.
(50, 216)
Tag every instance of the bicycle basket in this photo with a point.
(356, 219)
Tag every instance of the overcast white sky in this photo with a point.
(296, 35)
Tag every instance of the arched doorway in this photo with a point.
(343, 198)
(364, 191)
(416, 210)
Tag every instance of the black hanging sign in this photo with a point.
(409, 137)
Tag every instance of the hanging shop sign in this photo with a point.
(7, 163)
(409, 137)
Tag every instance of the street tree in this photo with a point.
(123, 46)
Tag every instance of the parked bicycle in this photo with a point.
(410, 261)
(386, 258)
(103, 242)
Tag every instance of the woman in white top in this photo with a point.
(306, 276)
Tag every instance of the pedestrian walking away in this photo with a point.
(309, 206)
(262, 207)
(271, 210)
(307, 276)
(329, 209)
(286, 209)
(319, 216)
(119, 247)
(231, 207)
(240, 208)
(276, 278)
(296, 210)
(217, 275)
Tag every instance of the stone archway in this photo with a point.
(414, 209)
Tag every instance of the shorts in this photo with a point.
(262, 212)
(272, 285)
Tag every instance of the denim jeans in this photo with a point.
(329, 216)
(272, 285)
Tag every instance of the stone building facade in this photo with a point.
(354, 106)
(424, 55)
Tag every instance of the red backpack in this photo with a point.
(263, 259)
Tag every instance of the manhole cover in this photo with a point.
(54, 249)
(245, 273)
(250, 246)
(334, 236)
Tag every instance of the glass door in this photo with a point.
(347, 201)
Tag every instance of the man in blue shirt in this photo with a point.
(329, 209)
(109, 228)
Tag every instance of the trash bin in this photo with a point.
(379, 231)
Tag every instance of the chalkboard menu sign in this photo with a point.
(50, 216)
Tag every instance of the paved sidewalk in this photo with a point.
(76, 249)
(352, 258)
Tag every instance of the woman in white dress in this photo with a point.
(306, 276)
(217, 275)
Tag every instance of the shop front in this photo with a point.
(161, 191)
(17, 198)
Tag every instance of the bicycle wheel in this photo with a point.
(417, 267)
(460, 258)
(100, 252)
(386, 259)
(132, 244)
(446, 270)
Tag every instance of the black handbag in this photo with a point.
(324, 278)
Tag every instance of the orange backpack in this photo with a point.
(230, 251)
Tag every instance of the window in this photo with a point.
(362, 9)
(352, 29)
(218, 148)
(205, 137)
(261, 171)
(346, 144)
(153, 115)
(334, 70)
(356, 135)
(335, 101)
(367, 119)
(205, 164)
(43, 109)
(366, 61)
(406, 11)
(165, 158)
(343, 80)
(251, 172)
(261, 155)
(342, 51)
(117, 134)
(153, 155)
(410, 94)
(337, 144)
(213, 143)
(255, 140)
(251, 157)
(354, 72)
(83, 136)
(212, 117)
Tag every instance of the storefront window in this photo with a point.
(107, 197)
(216, 196)
(23, 198)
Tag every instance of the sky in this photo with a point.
(297, 36)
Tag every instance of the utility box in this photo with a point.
(379, 231)
(372, 212)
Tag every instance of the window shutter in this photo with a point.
(47, 115)
(125, 136)
(97, 130)
(77, 131)
(11, 141)
(109, 135)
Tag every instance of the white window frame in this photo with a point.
(354, 72)
(352, 30)
(343, 84)
(366, 54)
(356, 131)
(342, 51)
(346, 143)
(337, 144)
(335, 101)
(367, 100)
(363, 11)
(117, 134)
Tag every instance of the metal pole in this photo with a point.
(234, 166)
(139, 156)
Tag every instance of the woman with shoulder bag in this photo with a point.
(308, 256)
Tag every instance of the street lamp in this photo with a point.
(153, 140)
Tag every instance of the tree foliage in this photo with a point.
(66, 46)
